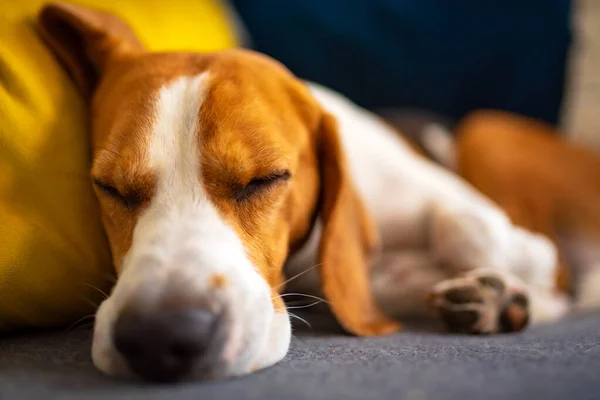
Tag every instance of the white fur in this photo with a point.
(583, 253)
(421, 207)
(180, 241)
(440, 144)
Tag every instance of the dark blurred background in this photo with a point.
(445, 56)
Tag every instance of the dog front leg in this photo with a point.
(504, 275)
(402, 281)
(464, 238)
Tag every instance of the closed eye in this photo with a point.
(130, 200)
(261, 184)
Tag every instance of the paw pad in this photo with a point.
(480, 304)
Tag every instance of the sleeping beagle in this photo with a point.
(219, 174)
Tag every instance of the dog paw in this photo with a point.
(481, 303)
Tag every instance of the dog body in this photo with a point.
(214, 171)
(438, 233)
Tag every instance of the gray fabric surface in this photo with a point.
(560, 361)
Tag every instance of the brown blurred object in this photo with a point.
(544, 183)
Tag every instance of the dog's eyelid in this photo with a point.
(257, 184)
(106, 187)
(274, 176)
(128, 200)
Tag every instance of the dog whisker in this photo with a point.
(305, 305)
(91, 303)
(95, 288)
(74, 324)
(301, 319)
(297, 276)
(310, 296)
(296, 303)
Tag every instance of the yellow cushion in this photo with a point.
(53, 253)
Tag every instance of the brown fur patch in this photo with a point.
(218, 281)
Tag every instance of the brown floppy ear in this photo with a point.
(348, 241)
(85, 40)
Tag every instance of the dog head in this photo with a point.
(209, 169)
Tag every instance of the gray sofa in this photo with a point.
(559, 361)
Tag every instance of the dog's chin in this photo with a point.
(253, 344)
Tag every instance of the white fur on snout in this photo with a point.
(180, 242)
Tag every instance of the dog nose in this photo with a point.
(164, 345)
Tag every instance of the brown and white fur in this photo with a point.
(543, 181)
(215, 172)
(439, 234)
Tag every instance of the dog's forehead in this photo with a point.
(237, 76)
(244, 113)
(244, 98)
